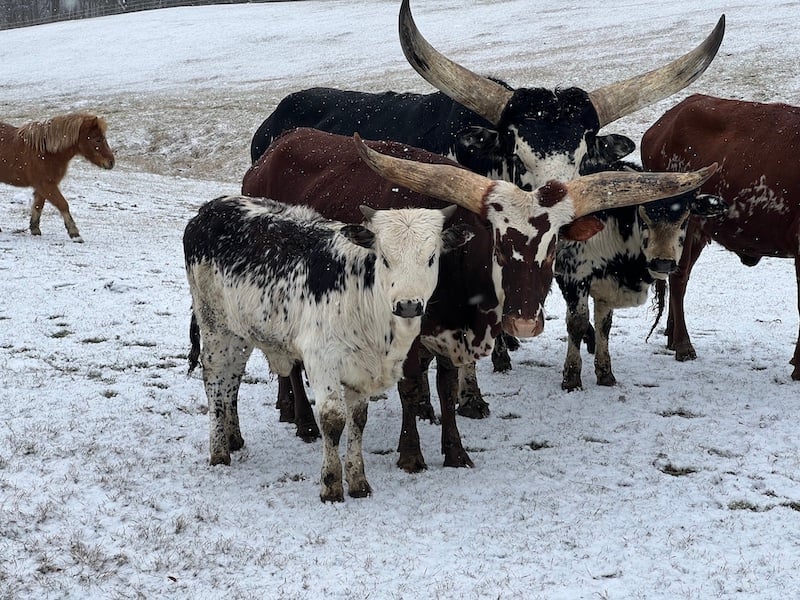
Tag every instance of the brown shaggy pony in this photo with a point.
(37, 154)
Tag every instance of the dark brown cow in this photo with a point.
(497, 281)
(757, 146)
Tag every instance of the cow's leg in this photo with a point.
(501, 361)
(285, 401)
(307, 429)
(332, 418)
(796, 358)
(603, 314)
(577, 325)
(470, 400)
(447, 386)
(677, 333)
(415, 387)
(224, 358)
(411, 459)
(56, 198)
(357, 484)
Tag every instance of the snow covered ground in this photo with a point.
(683, 481)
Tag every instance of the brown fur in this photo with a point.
(37, 155)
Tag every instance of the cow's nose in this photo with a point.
(523, 327)
(408, 309)
(662, 265)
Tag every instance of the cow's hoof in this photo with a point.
(235, 442)
(685, 353)
(332, 489)
(607, 379)
(308, 433)
(458, 458)
(570, 383)
(796, 374)
(220, 459)
(362, 490)
(411, 462)
(36, 231)
(474, 408)
(77, 239)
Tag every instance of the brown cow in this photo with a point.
(757, 146)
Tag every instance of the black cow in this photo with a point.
(525, 136)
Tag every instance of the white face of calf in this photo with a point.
(407, 244)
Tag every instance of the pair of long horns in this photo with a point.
(488, 98)
(608, 189)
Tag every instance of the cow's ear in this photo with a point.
(606, 150)
(708, 205)
(581, 229)
(359, 235)
(455, 237)
(449, 211)
(478, 141)
(367, 211)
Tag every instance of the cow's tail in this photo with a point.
(660, 288)
(194, 338)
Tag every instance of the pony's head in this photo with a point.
(80, 133)
(92, 143)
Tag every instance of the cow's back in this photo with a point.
(324, 171)
(757, 146)
(379, 116)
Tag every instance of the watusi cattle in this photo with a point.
(347, 300)
(497, 281)
(637, 246)
(526, 135)
(757, 146)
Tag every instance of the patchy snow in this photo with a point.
(683, 481)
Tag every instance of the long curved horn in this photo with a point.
(625, 97)
(444, 182)
(590, 193)
(611, 189)
(479, 94)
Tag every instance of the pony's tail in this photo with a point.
(660, 288)
(194, 338)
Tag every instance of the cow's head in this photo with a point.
(538, 134)
(663, 225)
(407, 245)
(525, 224)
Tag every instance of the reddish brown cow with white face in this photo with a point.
(757, 146)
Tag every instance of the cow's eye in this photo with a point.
(385, 262)
(431, 259)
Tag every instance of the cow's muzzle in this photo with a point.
(523, 327)
(660, 267)
(408, 309)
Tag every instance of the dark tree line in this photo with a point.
(19, 13)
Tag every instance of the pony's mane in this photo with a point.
(57, 133)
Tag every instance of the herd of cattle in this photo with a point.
(360, 262)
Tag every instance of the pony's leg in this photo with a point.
(36, 213)
(56, 198)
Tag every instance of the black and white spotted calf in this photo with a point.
(636, 246)
(346, 300)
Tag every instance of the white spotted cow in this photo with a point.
(346, 300)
